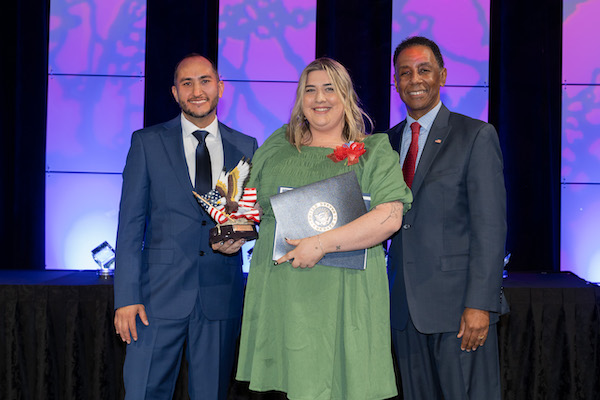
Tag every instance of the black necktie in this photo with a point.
(203, 182)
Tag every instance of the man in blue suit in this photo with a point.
(446, 261)
(166, 272)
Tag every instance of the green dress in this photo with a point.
(321, 332)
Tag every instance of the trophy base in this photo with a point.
(221, 233)
(105, 273)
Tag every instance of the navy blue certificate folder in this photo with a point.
(321, 206)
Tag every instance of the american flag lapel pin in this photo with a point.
(438, 140)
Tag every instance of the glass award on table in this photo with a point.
(231, 206)
(321, 206)
(104, 256)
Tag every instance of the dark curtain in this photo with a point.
(174, 30)
(358, 35)
(24, 72)
(525, 107)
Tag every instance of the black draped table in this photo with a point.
(550, 341)
(57, 340)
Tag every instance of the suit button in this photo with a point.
(406, 226)
(201, 253)
(203, 223)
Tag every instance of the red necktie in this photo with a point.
(408, 169)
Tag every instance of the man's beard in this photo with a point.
(185, 108)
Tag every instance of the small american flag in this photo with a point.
(214, 204)
(213, 197)
(210, 203)
(246, 206)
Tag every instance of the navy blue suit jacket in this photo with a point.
(164, 260)
(449, 253)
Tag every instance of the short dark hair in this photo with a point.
(419, 41)
(190, 55)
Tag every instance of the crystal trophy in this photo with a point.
(104, 255)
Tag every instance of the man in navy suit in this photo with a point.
(166, 272)
(446, 261)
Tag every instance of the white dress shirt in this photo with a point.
(213, 144)
(426, 122)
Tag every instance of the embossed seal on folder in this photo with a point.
(319, 207)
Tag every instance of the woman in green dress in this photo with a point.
(309, 330)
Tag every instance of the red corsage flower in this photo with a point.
(350, 150)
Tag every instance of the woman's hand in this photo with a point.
(366, 231)
(307, 253)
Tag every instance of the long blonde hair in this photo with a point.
(298, 130)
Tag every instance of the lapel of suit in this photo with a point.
(395, 135)
(231, 154)
(173, 141)
(435, 140)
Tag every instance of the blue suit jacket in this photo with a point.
(449, 253)
(164, 260)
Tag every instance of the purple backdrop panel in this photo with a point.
(90, 121)
(105, 37)
(460, 28)
(81, 212)
(580, 133)
(257, 108)
(580, 230)
(581, 58)
(266, 40)
(471, 101)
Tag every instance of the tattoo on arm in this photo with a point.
(395, 211)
